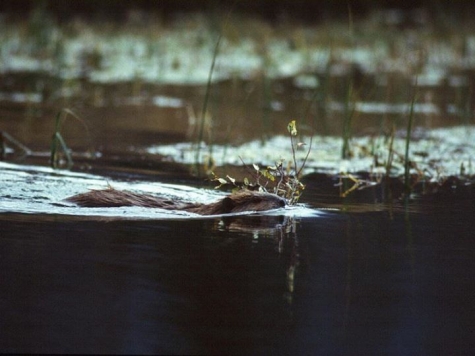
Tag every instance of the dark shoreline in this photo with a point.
(305, 11)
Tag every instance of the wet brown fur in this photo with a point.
(238, 202)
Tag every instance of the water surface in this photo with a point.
(368, 278)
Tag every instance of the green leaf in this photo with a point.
(268, 175)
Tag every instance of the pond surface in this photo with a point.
(369, 273)
(359, 275)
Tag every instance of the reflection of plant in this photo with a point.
(358, 184)
(278, 179)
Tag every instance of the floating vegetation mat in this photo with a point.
(436, 153)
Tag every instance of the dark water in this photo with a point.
(368, 279)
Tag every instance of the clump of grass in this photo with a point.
(408, 164)
(279, 179)
(60, 152)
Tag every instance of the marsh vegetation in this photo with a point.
(362, 122)
(194, 88)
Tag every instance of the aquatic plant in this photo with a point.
(407, 162)
(463, 102)
(348, 115)
(349, 104)
(279, 179)
(204, 110)
(7, 138)
(390, 157)
(59, 149)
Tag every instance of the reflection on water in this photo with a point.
(365, 283)
(171, 113)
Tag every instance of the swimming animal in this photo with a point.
(244, 200)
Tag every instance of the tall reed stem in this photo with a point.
(207, 94)
(349, 110)
(205, 106)
(407, 162)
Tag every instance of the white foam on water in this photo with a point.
(41, 190)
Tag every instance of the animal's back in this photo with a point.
(238, 202)
(109, 198)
